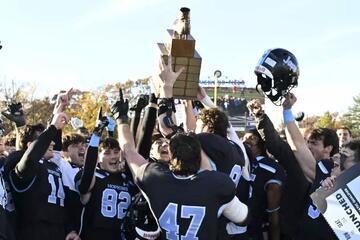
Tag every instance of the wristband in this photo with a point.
(94, 140)
(166, 105)
(288, 116)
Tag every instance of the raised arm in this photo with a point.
(26, 168)
(87, 181)
(296, 140)
(144, 144)
(190, 120)
(126, 140)
(141, 103)
(166, 80)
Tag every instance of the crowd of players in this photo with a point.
(158, 180)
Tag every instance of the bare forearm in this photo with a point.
(125, 137)
(302, 153)
(135, 123)
(133, 159)
(190, 118)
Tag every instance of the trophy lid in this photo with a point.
(185, 13)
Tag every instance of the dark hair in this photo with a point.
(355, 146)
(328, 136)
(83, 131)
(185, 154)
(109, 143)
(216, 120)
(345, 128)
(72, 138)
(261, 143)
(29, 134)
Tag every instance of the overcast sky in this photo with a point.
(87, 43)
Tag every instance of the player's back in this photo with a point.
(186, 206)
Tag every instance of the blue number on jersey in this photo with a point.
(168, 221)
(236, 174)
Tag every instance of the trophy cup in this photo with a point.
(181, 47)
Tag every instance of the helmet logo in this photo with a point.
(290, 63)
(260, 69)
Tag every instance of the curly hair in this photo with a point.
(328, 137)
(109, 143)
(30, 133)
(185, 152)
(215, 120)
(72, 138)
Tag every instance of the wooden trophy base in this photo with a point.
(187, 83)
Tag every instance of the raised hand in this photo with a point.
(60, 120)
(63, 99)
(167, 75)
(120, 108)
(255, 107)
(290, 100)
(328, 183)
(141, 103)
(15, 114)
(101, 123)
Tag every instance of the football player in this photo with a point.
(38, 187)
(105, 191)
(211, 193)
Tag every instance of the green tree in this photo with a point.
(327, 120)
(352, 118)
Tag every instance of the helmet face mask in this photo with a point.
(277, 73)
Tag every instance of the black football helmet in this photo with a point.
(277, 73)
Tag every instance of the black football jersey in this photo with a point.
(43, 198)
(186, 206)
(226, 157)
(314, 225)
(264, 171)
(73, 205)
(108, 205)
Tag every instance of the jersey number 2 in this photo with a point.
(168, 221)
